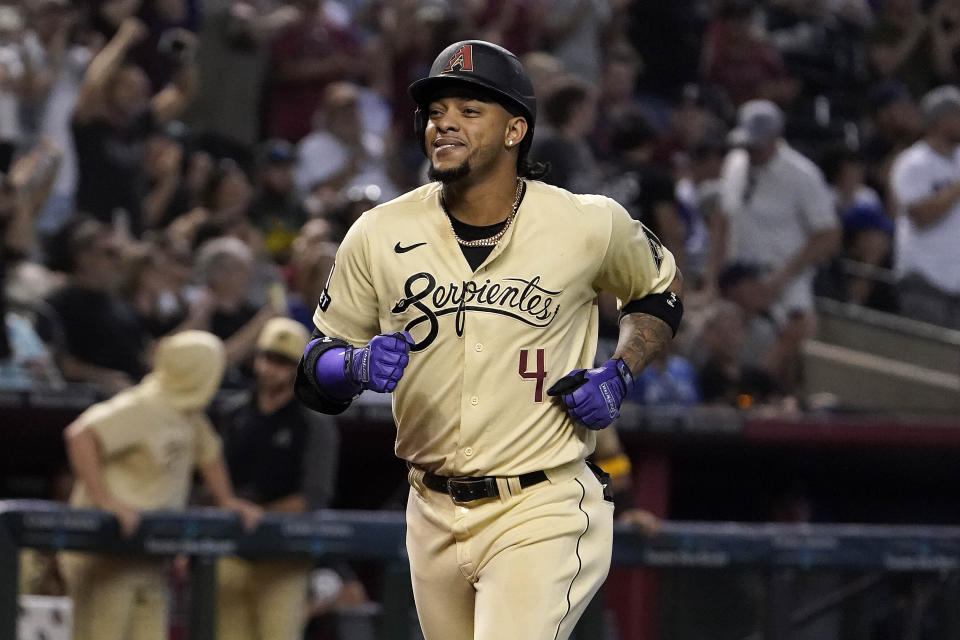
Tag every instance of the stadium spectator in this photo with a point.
(675, 27)
(723, 377)
(617, 94)
(168, 193)
(893, 125)
(778, 209)
(569, 115)
(277, 209)
(305, 57)
(150, 290)
(944, 28)
(513, 24)
(738, 57)
(232, 62)
(765, 346)
(698, 198)
(670, 380)
(100, 339)
(24, 358)
(312, 255)
(224, 268)
(544, 70)
(822, 45)
(646, 191)
(342, 152)
(901, 45)
(57, 66)
(695, 116)
(283, 458)
(225, 195)
(115, 113)
(925, 181)
(15, 72)
(136, 452)
(574, 32)
(867, 231)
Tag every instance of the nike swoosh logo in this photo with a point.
(400, 249)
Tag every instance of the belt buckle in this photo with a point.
(467, 489)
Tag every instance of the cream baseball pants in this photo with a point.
(522, 566)
(116, 598)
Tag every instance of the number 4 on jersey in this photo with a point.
(538, 374)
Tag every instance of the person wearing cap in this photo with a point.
(925, 184)
(284, 459)
(778, 214)
(137, 452)
(473, 300)
(276, 208)
(894, 124)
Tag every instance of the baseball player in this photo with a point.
(473, 300)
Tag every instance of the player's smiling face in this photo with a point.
(466, 133)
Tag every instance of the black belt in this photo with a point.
(470, 488)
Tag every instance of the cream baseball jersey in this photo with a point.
(490, 341)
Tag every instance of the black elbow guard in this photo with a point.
(667, 306)
(307, 388)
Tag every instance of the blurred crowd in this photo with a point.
(192, 164)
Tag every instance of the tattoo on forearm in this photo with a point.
(642, 337)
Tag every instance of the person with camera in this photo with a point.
(115, 114)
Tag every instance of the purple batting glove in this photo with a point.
(346, 371)
(379, 365)
(593, 396)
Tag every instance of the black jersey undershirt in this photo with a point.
(476, 255)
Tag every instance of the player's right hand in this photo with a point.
(379, 365)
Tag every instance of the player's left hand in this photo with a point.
(593, 396)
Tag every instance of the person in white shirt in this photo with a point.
(343, 150)
(778, 208)
(778, 215)
(925, 184)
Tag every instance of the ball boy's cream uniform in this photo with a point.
(151, 438)
(472, 399)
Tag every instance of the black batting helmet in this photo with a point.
(483, 66)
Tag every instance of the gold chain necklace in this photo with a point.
(495, 238)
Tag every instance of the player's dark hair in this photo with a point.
(527, 168)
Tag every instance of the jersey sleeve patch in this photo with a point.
(656, 247)
(324, 302)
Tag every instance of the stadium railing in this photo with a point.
(779, 550)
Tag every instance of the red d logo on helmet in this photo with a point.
(462, 59)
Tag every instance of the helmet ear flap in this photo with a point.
(420, 127)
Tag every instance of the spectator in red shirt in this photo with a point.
(738, 58)
(305, 57)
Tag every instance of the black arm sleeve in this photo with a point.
(667, 306)
(307, 388)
